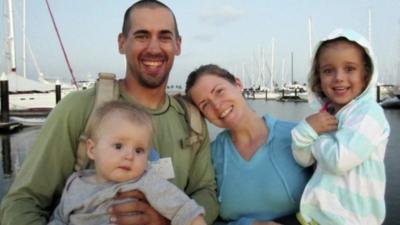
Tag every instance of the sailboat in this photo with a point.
(392, 101)
(26, 95)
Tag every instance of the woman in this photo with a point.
(257, 176)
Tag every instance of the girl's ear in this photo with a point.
(90, 148)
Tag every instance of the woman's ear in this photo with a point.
(90, 148)
(239, 84)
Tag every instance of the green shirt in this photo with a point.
(39, 183)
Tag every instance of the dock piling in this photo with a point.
(58, 91)
(378, 93)
(5, 108)
(6, 154)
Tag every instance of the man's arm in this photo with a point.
(49, 162)
(202, 185)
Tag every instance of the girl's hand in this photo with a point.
(322, 122)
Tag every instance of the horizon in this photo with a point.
(233, 34)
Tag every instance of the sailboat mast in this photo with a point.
(271, 82)
(10, 39)
(283, 72)
(35, 63)
(24, 38)
(262, 69)
(310, 36)
(243, 77)
(291, 57)
(370, 26)
(397, 79)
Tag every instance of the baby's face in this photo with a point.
(342, 73)
(121, 150)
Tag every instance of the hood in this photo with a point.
(316, 101)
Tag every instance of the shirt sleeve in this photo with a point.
(40, 181)
(358, 136)
(202, 184)
(303, 137)
(168, 199)
(59, 216)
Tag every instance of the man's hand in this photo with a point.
(137, 212)
(322, 122)
(260, 222)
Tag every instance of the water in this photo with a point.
(21, 141)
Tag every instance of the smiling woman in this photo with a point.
(252, 147)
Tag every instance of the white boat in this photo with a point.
(269, 95)
(251, 93)
(25, 93)
(391, 103)
(28, 121)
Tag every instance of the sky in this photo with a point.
(248, 37)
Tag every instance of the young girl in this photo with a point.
(119, 141)
(347, 137)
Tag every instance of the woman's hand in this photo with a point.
(138, 212)
(322, 122)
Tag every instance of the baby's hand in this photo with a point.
(322, 122)
(199, 220)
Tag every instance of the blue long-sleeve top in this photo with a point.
(267, 186)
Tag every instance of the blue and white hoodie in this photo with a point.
(348, 185)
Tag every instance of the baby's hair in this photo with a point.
(315, 80)
(128, 111)
(211, 69)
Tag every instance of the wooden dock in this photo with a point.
(7, 127)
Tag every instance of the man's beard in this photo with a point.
(150, 82)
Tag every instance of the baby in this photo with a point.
(119, 140)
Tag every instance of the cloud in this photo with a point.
(204, 37)
(220, 16)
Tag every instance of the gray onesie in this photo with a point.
(86, 203)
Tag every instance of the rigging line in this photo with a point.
(62, 46)
(33, 58)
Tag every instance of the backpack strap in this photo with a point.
(106, 90)
(195, 122)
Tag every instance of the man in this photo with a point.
(150, 40)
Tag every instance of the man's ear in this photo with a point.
(90, 148)
(121, 43)
(178, 43)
